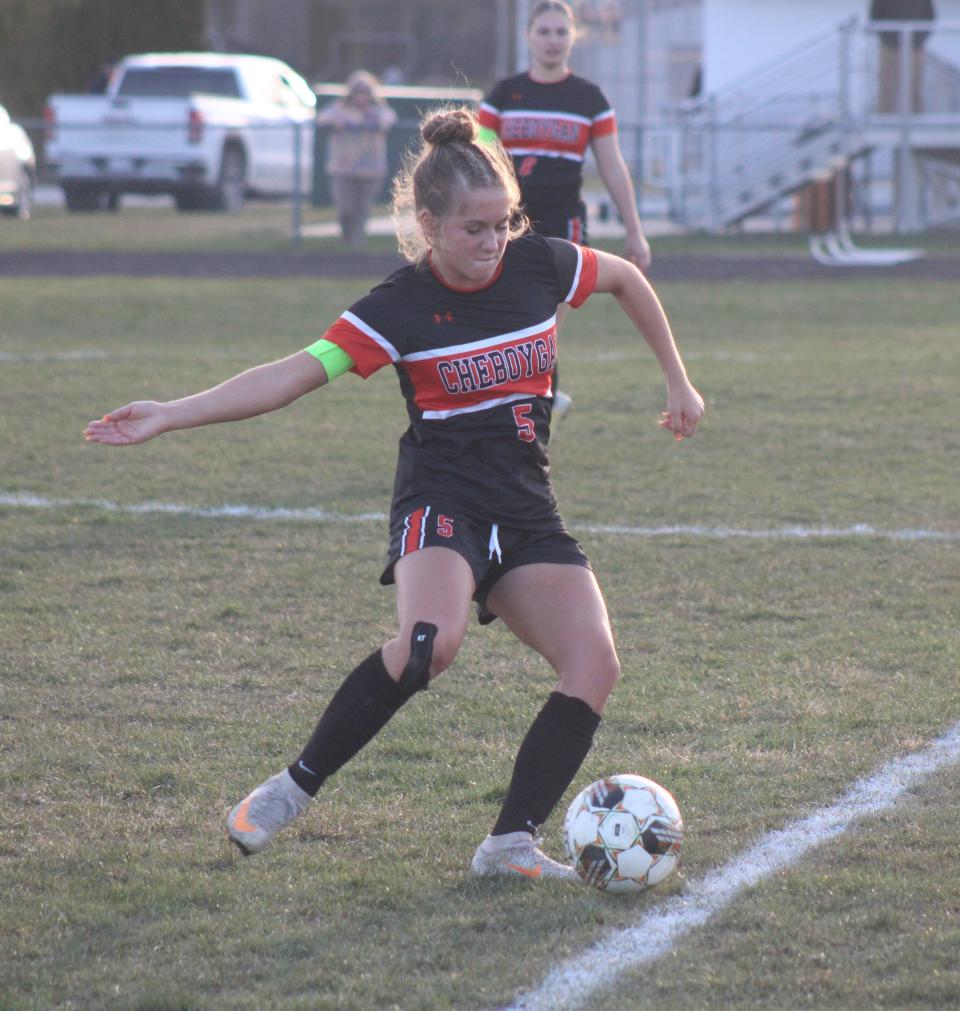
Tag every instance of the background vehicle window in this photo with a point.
(178, 82)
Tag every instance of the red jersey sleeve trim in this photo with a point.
(489, 117)
(604, 124)
(586, 278)
(369, 349)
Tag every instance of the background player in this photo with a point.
(470, 327)
(546, 118)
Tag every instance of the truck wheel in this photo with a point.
(231, 187)
(84, 197)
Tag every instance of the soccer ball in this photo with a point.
(624, 833)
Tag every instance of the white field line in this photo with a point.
(26, 500)
(772, 534)
(571, 984)
(53, 356)
(313, 515)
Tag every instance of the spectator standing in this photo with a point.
(901, 10)
(357, 152)
(101, 80)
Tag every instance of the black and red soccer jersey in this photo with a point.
(475, 368)
(547, 129)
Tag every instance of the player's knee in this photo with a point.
(591, 675)
(608, 674)
(432, 650)
(605, 671)
(445, 649)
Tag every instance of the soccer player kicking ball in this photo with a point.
(470, 327)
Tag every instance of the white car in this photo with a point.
(18, 169)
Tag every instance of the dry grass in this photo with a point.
(156, 667)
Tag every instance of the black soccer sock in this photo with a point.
(549, 757)
(359, 710)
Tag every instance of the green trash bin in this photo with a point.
(409, 102)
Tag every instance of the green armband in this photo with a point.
(333, 358)
(487, 136)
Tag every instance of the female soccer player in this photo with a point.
(546, 118)
(469, 326)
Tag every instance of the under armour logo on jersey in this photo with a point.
(516, 96)
(443, 317)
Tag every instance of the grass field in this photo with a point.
(157, 665)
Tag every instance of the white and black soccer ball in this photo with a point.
(624, 833)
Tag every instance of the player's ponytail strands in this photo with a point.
(453, 159)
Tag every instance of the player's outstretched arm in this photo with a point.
(639, 301)
(257, 391)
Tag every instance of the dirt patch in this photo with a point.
(72, 263)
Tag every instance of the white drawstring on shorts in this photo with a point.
(494, 545)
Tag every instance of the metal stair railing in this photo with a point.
(941, 86)
(942, 191)
(767, 134)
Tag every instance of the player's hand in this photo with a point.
(638, 252)
(128, 426)
(683, 413)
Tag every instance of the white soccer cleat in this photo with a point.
(517, 855)
(561, 404)
(261, 814)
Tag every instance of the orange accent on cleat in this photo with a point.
(240, 818)
(527, 872)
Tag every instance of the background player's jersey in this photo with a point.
(547, 129)
(475, 368)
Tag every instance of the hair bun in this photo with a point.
(449, 126)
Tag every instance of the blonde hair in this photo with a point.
(546, 6)
(450, 163)
(362, 80)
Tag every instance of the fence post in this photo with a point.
(296, 231)
(714, 164)
(906, 177)
(641, 174)
(846, 65)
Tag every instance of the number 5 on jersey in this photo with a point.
(521, 416)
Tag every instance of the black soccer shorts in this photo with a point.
(491, 550)
(560, 222)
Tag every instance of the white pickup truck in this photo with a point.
(208, 128)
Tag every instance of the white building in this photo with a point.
(728, 107)
(741, 35)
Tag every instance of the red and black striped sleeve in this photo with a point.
(576, 270)
(367, 346)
